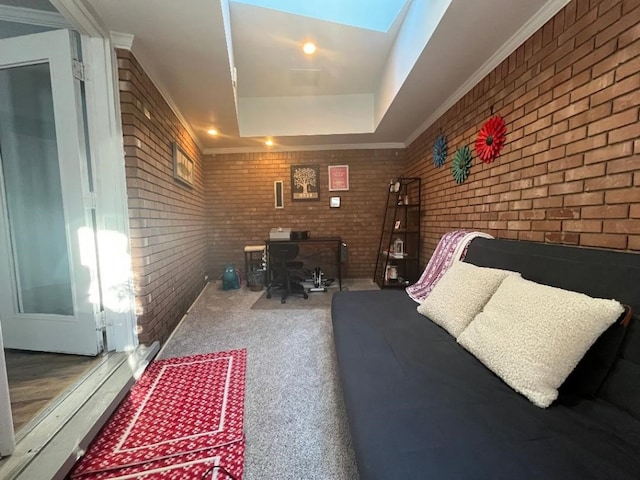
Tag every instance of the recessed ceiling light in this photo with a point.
(309, 48)
(268, 142)
(212, 131)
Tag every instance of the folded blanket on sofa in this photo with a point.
(452, 246)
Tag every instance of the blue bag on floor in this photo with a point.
(230, 278)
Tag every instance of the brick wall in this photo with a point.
(167, 219)
(239, 195)
(570, 170)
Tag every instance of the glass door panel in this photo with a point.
(33, 191)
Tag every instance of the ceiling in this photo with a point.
(238, 67)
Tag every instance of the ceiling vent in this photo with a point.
(304, 77)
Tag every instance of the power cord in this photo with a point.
(224, 470)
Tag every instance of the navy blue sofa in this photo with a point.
(421, 407)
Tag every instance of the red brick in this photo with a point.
(612, 62)
(571, 110)
(592, 87)
(598, 54)
(535, 192)
(591, 198)
(590, 226)
(498, 225)
(521, 184)
(531, 236)
(549, 155)
(629, 100)
(584, 172)
(538, 125)
(628, 68)
(605, 211)
(532, 215)
(591, 115)
(519, 225)
(567, 238)
(608, 182)
(507, 215)
(627, 164)
(563, 213)
(587, 144)
(603, 241)
(573, 82)
(565, 188)
(626, 195)
(569, 137)
(550, 202)
(521, 205)
(618, 89)
(614, 121)
(618, 26)
(629, 132)
(626, 226)
(547, 225)
(569, 158)
(548, 179)
(565, 163)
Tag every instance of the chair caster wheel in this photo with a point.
(268, 295)
(283, 300)
(305, 296)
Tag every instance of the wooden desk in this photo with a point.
(336, 242)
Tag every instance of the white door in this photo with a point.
(49, 296)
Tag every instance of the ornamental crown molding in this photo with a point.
(122, 40)
(32, 16)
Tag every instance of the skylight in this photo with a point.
(378, 15)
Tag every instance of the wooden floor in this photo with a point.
(36, 378)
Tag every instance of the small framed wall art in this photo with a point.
(338, 178)
(182, 165)
(305, 182)
(278, 193)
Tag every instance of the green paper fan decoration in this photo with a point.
(461, 164)
(440, 151)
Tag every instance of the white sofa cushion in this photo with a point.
(532, 335)
(460, 295)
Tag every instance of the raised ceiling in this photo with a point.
(237, 66)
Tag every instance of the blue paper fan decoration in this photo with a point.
(461, 164)
(440, 151)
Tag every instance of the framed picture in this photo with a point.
(338, 178)
(305, 182)
(277, 192)
(334, 202)
(182, 165)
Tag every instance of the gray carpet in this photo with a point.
(295, 422)
(295, 301)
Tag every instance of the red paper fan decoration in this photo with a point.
(491, 139)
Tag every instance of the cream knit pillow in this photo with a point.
(460, 295)
(532, 336)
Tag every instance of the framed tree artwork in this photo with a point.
(305, 182)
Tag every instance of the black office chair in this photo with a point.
(286, 273)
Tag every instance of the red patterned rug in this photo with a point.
(184, 416)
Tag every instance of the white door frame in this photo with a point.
(107, 157)
(110, 185)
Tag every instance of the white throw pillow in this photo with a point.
(460, 295)
(532, 335)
